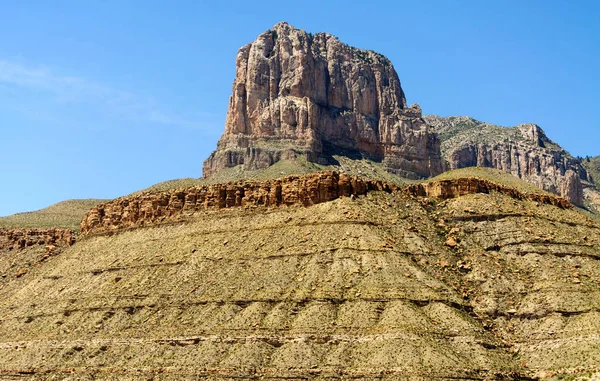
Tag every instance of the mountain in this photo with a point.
(322, 275)
(311, 95)
(303, 254)
(524, 151)
(592, 166)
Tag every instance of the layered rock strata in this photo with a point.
(152, 208)
(326, 292)
(301, 94)
(171, 206)
(17, 238)
(484, 286)
(524, 151)
(446, 189)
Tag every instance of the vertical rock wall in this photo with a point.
(298, 93)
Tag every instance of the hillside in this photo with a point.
(286, 167)
(489, 285)
(65, 214)
(524, 151)
(592, 165)
(324, 241)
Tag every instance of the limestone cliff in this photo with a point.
(301, 94)
(524, 151)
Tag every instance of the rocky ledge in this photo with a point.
(296, 93)
(445, 189)
(17, 238)
(169, 206)
(524, 151)
(175, 205)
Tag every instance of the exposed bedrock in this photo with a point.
(524, 151)
(171, 206)
(156, 207)
(301, 94)
(19, 238)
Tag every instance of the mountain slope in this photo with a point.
(65, 214)
(592, 165)
(524, 151)
(494, 285)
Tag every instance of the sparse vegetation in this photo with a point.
(65, 214)
(592, 165)
(456, 131)
(259, 286)
(491, 174)
(364, 167)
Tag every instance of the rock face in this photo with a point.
(155, 208)
(169, 206)
(301, 94)
(21, 238)
(524, 151)
(446, 189)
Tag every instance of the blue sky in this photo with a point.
(99, 99)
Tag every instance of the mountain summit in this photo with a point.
(345, 273)
(301, 94)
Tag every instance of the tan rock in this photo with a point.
(445, 189)
(524, 151)
(168, 206)
(451, 242)
(19, 238)
(299, 94)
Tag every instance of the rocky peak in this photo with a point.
(296, 93)
(533, 133)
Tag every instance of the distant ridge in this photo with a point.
(524, 151)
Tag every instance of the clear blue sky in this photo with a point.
(102, 98)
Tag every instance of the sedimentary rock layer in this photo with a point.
(157, 207)
(170, 206)
(445, 189)
(17, 238)
(298, 93)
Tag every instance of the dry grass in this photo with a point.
(491, 174)
(299, 166)
(65, 214)
(346, 288)
(284, 290)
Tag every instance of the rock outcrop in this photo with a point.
(17, 238)
(168, 206)
(524, 151)
(445, 189)
(155, 208)
(301, 94)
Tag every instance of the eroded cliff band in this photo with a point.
(20, 238)
(170, 206)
